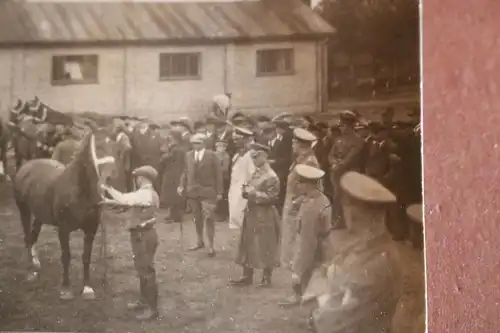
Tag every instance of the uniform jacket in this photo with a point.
(312, 225)
(242, 170)
(346, 153)
(203, 179)
(258, 245)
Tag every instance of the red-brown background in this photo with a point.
(461, 71)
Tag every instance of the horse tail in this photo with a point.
(25, 214)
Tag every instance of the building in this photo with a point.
(163, 59)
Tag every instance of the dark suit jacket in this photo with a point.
(203, 180)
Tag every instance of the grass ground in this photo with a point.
(193, 288)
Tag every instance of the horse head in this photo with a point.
(96, 159)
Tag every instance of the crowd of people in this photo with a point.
(277, 180)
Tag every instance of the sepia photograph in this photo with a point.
(211, 166)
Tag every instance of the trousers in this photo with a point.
(144, 243)
(204, 217)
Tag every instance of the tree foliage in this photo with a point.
(386, 29)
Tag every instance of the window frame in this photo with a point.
(258, 55)
(198, 76)
(66, 82)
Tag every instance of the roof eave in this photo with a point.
(163, 42)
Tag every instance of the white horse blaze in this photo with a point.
(98, 161)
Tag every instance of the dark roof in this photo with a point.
(35, 23)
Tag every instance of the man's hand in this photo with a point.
(180, 190)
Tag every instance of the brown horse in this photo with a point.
(4, 146)
(67, 198)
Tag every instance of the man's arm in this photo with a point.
(136, 198)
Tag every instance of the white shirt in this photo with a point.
(273, 141)
(222, 101)
(198, 155)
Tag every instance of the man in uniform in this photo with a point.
(345, 155)
(304, 154)
(143, 237)
(312, 226)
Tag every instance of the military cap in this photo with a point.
(146, 171)
(304, 135)
(348, 115)
(242, 131)
(181, 124)
(415, 212)
(259, 147)
(197, 138)
(282, 116)
(309, 173)
(365, 188)
(153, 126)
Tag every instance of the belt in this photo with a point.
(146, 225)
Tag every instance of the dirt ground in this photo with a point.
(194, 293)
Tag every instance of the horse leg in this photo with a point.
(28, 240)
(66, 293)
(35, 232)
(88, 241)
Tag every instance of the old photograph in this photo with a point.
(194, 166)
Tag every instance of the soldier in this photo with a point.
(361, 291)
(345, 155)
(304, 154)
(143, 237)
(258, 245)
(312, 226)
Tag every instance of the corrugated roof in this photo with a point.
(83, 22)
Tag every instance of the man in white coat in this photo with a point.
(241, 172)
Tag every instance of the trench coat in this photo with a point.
(241, 172)
(258, 245)
(291, 209)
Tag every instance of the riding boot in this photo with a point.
(245, 280)
(151, 298)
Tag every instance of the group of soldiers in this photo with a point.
(278, 180)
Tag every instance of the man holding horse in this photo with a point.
(143, 237)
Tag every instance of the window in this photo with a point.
(75, 69)
(180, 66)
(275, 62)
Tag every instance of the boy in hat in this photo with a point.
(313, 224)
(241, 171)
(143, 237)
(258, 245)
(304, 154)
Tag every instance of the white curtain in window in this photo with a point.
(73, 70)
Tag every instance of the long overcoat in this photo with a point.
(258, 245)
(291, 209)
(171, 168)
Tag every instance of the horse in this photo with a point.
(48, 193)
